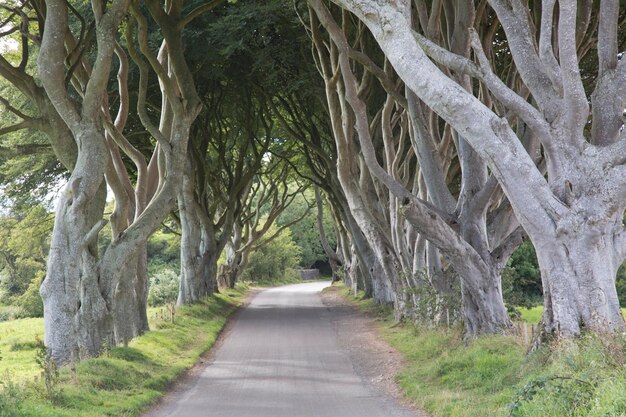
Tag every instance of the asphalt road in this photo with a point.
(282, 358)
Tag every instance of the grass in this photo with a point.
(273, 282)
(494, 375)
(123, 381)
(533, 315)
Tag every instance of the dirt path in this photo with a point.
(373, 358)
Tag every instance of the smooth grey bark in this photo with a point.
(574, 215)
(196, 281)
(64, 146)
(81, 291)
(333, 258)
(76, 314)
(483, 303)
(385, 272)
(236, 260)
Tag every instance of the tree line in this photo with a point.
(438, 135)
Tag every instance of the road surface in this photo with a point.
(281, 358)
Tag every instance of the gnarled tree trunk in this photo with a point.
(578, 270)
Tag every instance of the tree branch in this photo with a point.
(198, 11)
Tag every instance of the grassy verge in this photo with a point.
(273, 282)
(494, 376)
(123, 381)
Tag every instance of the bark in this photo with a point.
(84, 296)
(230, 271)
(578, 271)
(573, 217)
(196, 281)
(473, 269)
(333, 258)
(77, 320)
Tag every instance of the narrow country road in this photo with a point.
(282, 358)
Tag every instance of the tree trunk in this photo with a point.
(230, 271)
(130, 318)
(483, 309)
(77, 319)
(142, 289)
(195, 282)
(578, 273)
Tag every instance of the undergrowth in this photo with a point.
(495, 376)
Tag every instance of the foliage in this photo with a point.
(128, 379)
(305, 233)
(24, 242)
(432, 306)
(276, 259)
(163, 267)
(621, 285)
(30, 303)
(163, 287)
(29, 171)
(11, 396)
(521, 279)
(586, 377)
(49, 373)
(254, 44)
(164, 249)
(8, 312)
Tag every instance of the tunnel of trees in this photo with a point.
(452, 159)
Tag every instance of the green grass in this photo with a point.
(122, 381)
(273, 282)
(533, 315)
(494, 375)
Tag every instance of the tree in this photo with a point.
(273, 260)
(83, 299)
(273, 191)
(249, 59)
(420, 203)
(24, 243)
(574, 216)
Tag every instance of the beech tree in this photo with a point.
(573, 212)
(427, 212)
(273, 190)
(86, 301)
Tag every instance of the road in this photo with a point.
(281, 358)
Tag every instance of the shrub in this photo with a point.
(11, 396)
(521, 279)
(581, 378)
(163, 287)
(164, 248)
(8, 313)
(30, 303)
(621, 285)
(276, 260)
